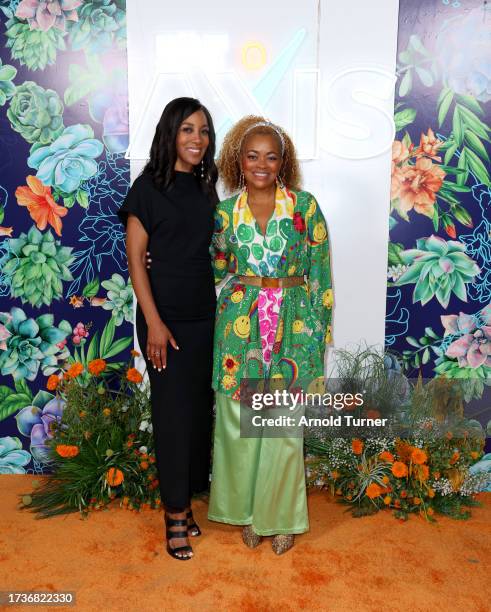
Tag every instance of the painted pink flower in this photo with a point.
(473, 348)
(4, 335)
(43, 15)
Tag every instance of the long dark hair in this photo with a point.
(163, 154)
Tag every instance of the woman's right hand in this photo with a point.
(158, 337)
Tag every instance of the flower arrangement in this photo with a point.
(101, 448)
(424, 468)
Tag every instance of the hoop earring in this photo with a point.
(202, 169)
(279, 181)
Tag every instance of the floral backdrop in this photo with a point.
(439, 268)
(64, 291)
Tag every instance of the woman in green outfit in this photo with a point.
(273, 321)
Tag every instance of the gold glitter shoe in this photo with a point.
(282, 542)
(250, 537)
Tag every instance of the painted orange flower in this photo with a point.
(135, 353)
(40, 204)
(114, 477)
(399, 469)
(400, 154)
(418, 186)
(419, 456)
(429, 145)
(76, 302)
(53, 382)
(387, 500)
(357, 446)
(133, 375)
(97, 366)
(67, 451)
(75, 370)
(373, 490)
(386, 456)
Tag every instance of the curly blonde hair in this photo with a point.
(229, 160)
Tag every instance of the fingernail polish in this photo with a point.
(160, 369)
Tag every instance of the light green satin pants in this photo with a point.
(256, 481)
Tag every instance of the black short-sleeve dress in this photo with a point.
(179, 224)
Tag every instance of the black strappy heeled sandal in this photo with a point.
(170, 522)
(193, 528)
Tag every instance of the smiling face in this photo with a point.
(192, 140)
(261, 160)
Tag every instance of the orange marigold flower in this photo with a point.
(357, 446)
(399, 469)
(416, 501)
(431, 493)
(474, 454)
(419, 456)
(430, 511)
(53, 382)
(387, 500)
(424, 472)
(75, 370)
(97, 366)
(385, 479)
(106, 412)
(40, 204)
(386, 456)
(114, 477)
(82, 414)
(144, 465)
(334, 474)
(454, 458)
(133, 375)
(67, 450)
(403, 494)
(397, 503)
(373, 490)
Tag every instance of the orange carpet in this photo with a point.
(115, 560)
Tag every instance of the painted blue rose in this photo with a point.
(68, 160)
(106, 234)
(38, 420)
(12, 457)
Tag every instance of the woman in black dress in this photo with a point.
(169, 211)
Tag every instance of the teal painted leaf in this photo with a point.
(406, 83)
(91, 289)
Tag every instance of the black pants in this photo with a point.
(182, 405)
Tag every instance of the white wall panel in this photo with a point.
(324, 70)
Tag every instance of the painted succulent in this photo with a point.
(33, 48)
(68, 160)
(12, 457)
(36, 264)
(36, 113)
(31, 344)
(7, 88)
(46, 14)
(119, 298)
(439, 268)
(100, 23)
(38, 421)
(472, 348)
